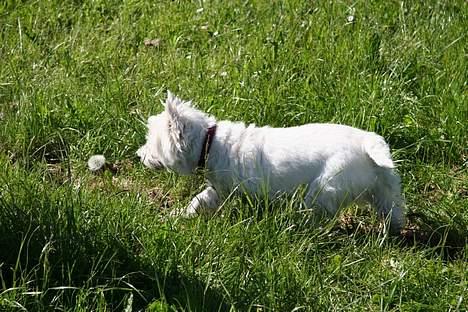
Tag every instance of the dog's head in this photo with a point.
(175, 137)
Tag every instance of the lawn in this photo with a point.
(80, 77)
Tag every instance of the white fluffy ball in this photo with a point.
(96, 162)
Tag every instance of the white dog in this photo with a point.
(338, 164)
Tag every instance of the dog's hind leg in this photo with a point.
(324, 197)
(388, 200)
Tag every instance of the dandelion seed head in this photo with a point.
(96, 162)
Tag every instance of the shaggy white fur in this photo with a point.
(338, 164)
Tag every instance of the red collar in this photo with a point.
(210, 133)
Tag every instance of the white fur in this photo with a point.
(338, 164)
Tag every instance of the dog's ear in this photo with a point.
(171, 106)
(175, 122)
(172, 101)
(170, 97)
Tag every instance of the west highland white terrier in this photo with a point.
(338, 164)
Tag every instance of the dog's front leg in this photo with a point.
(205, 202)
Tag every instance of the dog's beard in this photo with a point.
(147, 159)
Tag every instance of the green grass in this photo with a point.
(76, 79)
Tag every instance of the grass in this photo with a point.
(76, 79)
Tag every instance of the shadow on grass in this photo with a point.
(447, 239)
(50, 258)
(441, 235)
(422, 232)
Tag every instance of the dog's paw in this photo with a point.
(188, 213)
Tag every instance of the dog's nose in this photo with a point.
(136, 158)
(155, 164)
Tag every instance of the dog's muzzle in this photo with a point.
(148, 161)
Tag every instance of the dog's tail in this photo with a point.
(376, 148)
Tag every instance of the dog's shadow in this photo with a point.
(447, 240)
(423, 232)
